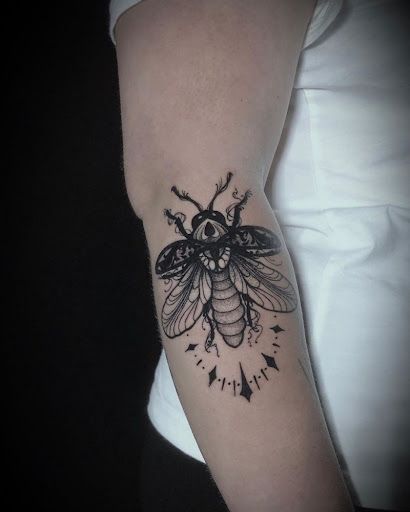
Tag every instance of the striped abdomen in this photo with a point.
(228, 311)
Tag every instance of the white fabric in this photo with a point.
(340, 189)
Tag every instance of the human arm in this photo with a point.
(205, 87)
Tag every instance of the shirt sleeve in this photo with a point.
(324, 14)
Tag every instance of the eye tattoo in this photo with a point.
(224, 273)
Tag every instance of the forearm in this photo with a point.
(252, 408)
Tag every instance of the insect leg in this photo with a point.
(209, 342)
(252, 317)
(178, 223)
(239, 207)
(248, 310)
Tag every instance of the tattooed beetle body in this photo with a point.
(228, 311)
(221, 271)
(227, 308)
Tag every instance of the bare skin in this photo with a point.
(205, 87)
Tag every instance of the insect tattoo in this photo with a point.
(224, 274)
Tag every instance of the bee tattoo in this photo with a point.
(220, 271)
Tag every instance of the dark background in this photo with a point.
(82, 343)
(83, 336)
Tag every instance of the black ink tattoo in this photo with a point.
(222, 271)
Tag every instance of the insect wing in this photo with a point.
(262, 283)
(175, 257)
(254, 241)
(185, 303)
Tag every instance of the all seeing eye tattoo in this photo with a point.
(224, 273)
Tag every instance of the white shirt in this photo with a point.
(339, 187)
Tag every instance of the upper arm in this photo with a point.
(205, 85)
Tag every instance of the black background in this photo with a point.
(82, 344)
(83, 335)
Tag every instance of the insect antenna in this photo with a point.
(184, 196)
(220, 187)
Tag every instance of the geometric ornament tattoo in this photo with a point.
(222, 272)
